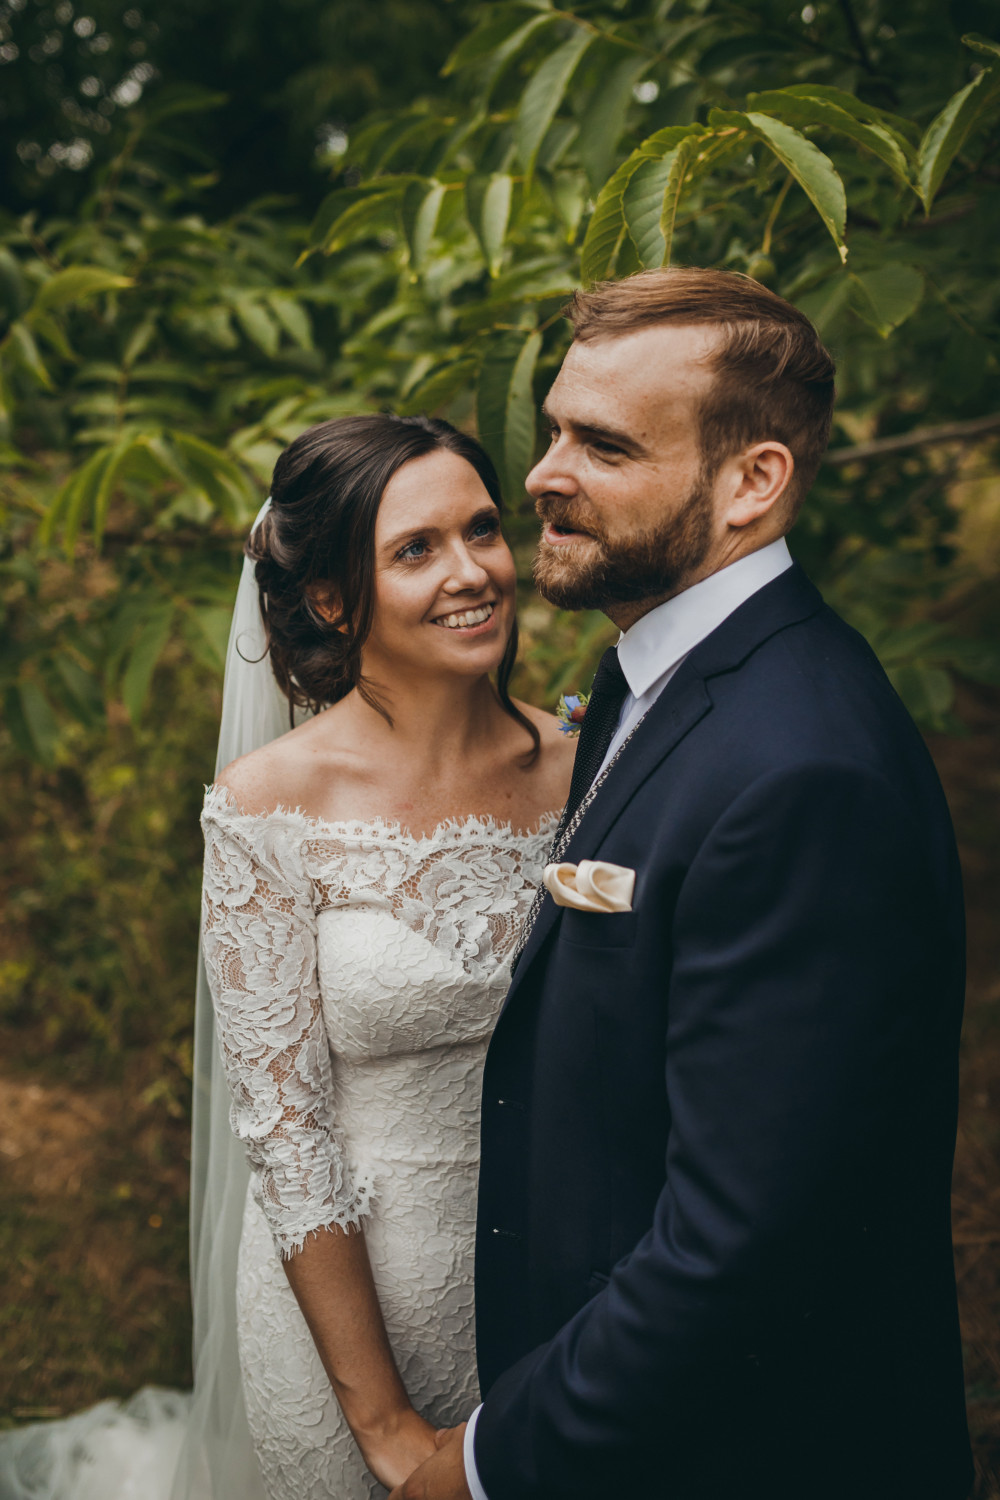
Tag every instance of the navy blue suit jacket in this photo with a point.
(714, 1254)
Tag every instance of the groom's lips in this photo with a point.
(558, 536)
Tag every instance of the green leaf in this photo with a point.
(258, 324)
(947, 133)
(798, 107)
(212, 623)
(647, 213)
(38, 720)
(25, 350)
(421, 207)
(440, 385)
(146, 652)
(487, 203)
(357, 221)
(607, 229)
(66, 288)
(106, 485)
(642, 205)
(569, 198)
(897, 125)
(505, 409)
(887, 296)
(83, 497)
(293, 318)
(138, 340)
(544, 94)
(604, 122)
(681, 160)
(811, 168)
(82, 688)
(984, 45)
(823, 303)
(211, 471)
(501, 36)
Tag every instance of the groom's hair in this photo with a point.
(773, 377)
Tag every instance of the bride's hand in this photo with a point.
(393, 1455)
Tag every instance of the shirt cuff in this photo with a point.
(469, 1453)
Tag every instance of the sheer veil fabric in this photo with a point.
(217, 1461)
(167, 1445)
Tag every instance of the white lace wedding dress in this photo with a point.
(357, 972)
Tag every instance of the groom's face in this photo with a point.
(628, 507)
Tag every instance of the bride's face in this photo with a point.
(444, 577)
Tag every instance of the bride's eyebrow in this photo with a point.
(417, 533)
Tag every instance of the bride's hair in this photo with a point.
(319, 534)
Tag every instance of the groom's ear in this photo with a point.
(754, 483)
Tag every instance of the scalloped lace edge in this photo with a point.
(468, 828)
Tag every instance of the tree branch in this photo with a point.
(854, 31)
(919, 437)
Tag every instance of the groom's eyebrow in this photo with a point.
(585, 430)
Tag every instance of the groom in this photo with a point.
(714, 1256)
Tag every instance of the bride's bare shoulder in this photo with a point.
(283, 773)
(558, 748)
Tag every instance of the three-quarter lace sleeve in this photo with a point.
(259, 932)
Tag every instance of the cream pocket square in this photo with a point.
(592, 885)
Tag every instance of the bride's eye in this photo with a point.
(489, 527)
(412, 552)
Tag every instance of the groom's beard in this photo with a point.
(621, 569)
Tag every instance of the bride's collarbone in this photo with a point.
(326, 772)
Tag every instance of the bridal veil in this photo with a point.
(217, 1461)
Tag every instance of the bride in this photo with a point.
(366, 875)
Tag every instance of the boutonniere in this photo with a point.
(570, 711)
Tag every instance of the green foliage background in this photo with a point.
(171, 316)
(225, 223)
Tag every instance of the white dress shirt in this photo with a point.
(650, 652)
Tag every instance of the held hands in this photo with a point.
(393, 1455)
(442, 1476)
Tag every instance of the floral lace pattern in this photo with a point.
(357, 971)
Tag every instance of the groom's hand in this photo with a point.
(442, 1476)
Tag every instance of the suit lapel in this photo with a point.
(684, 701)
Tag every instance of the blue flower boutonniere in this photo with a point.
(570, 711)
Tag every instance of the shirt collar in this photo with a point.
(657, 642)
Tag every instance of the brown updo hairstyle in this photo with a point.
(320, 530)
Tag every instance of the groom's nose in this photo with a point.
(551, 476)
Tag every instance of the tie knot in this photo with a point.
(609, 678)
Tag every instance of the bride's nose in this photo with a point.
(466, 573)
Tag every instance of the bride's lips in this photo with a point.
(482, 627)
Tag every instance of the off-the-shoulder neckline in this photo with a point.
(473, 827)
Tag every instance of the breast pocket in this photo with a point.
(593, 929)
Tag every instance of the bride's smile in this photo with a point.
(444, 575)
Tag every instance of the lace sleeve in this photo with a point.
(259, 929)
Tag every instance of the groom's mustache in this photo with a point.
(555, 511)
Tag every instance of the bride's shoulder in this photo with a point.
(557, 747)
(278, 775)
